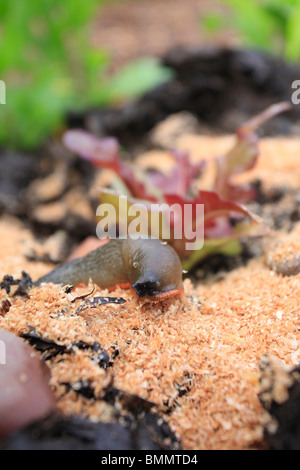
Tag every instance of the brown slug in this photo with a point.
(152, 268)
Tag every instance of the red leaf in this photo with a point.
(216, 213)
(105, 153)
(100, 152)
(214, 205)
(243, 156)
(180, 179)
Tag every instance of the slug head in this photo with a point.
(154, 268)
(147, 288)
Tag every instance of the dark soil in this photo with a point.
(58, 433)
(221, 87)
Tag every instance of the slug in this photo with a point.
(152, 268)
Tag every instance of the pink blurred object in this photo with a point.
(25, 392)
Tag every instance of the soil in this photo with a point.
(220, 88)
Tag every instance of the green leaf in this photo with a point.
(292, 44)
(254, 22)
(213, 247)
(212, 22)
(47, 65)
(136, 78)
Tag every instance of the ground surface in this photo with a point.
(132, 29)
(195, 357)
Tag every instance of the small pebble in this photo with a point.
(284, 257)
(287, 267)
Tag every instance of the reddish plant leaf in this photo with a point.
(100, 152)
(214, 205)
(216, 217)
(240, 158)
(105, 153)
(243, 156)
(181, 177)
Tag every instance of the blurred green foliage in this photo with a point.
(269, 25)
(135, 78)
(49, 68)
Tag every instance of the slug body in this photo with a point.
(150, 267)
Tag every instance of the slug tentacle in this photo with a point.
(152, 268)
